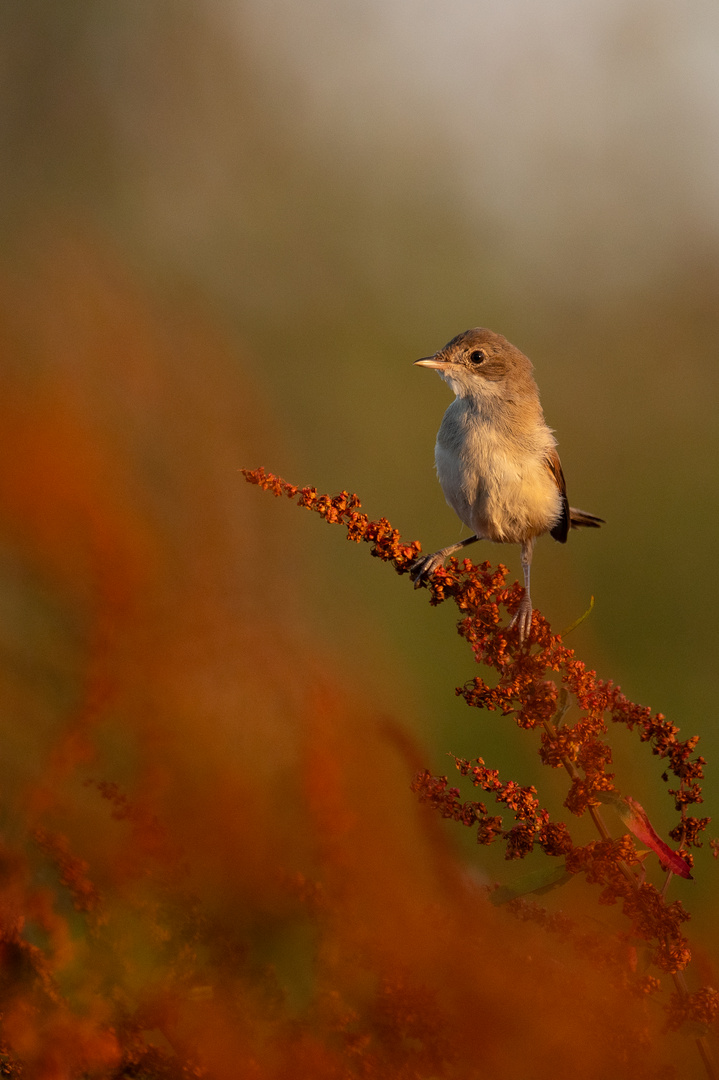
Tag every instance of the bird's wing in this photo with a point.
(561, 530)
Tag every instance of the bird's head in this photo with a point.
(480, 363)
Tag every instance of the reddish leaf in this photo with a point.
(635, 818)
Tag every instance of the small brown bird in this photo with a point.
(496, 458)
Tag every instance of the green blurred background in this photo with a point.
(341, 188)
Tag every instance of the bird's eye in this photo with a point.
(477, 356)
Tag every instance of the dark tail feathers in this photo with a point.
(578, 519)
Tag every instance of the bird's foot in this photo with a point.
(523, 619)
(425, 566)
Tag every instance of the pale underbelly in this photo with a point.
(500, 503)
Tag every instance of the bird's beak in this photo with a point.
(430, 362)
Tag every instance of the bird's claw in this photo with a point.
(523, 619)
(424, 566)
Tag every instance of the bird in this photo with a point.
(496, 458)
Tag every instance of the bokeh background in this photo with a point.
(228, 228)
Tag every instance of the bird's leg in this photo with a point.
(426, 564)
(523, 619)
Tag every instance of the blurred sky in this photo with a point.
(344, 187)
(586, 135)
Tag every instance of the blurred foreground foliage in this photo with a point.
(211, 864)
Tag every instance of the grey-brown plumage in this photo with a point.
(496, 458)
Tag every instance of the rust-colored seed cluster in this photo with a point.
(525, 689)
(343, 509)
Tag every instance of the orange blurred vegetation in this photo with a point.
(212, 864)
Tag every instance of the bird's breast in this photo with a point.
(496, 479)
